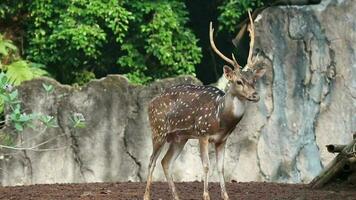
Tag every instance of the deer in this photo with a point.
(205, 113)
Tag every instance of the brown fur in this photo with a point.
(185, 109)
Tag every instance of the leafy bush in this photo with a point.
(19, 119)
(9, 97)
(10, 9)
(71, 36)
(143, 39)
(169, 48)
(17, 70)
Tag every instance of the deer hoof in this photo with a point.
(206, 196)
(147, 196)
(225, 196)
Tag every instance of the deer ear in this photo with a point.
(259, 73)
(228, 73)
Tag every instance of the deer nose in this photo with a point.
(255, 96)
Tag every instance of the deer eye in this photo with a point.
(239, 82)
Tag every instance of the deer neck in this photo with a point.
(233, 105)
(232, 109)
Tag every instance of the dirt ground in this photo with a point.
(188, 190)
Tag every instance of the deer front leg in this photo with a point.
(220, 151)
(173, 152)
(204, 155)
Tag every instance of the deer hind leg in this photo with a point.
(157, 147)
(204, 155)
(220, 151)
(173, 152)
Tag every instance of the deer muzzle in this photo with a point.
(254, 97)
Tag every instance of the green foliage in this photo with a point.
(78, 120)
(48, 121)
(48, 88)
(22, 70)
(9, 97)
(71, 36)
(18, 118)
(10, 8)
(17, 70)
(144, 40)
(6, 46)
(83, 77)
(232, 10)
(167, 40)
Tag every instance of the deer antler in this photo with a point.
(232, 62)
(251, 29)
(233, 58)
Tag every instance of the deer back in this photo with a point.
(185, 111)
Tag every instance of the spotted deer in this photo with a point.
(201, 112)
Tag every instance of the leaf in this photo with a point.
(48, 88)
(1, 105)
(18, 127)
(78, 120)
(37, 65)
(3, 50)
(49, 121)
(79, 125)
(13, 95)
(20, 71)
(9, 45)
(37, 72)
(3, 79)
(24, 118)
(31, 126)
(17, 109)
(5, 46)
(5, 97)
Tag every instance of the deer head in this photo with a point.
(241, 82)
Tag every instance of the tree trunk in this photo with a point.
(345, 161)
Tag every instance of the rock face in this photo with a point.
(114, 146)
(308, 100)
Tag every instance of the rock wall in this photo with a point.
(308, 99)
(114, 145)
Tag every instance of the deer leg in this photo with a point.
(204, 155)
(173, 152)
(220, 151)
(151, 166)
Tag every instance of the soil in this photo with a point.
(187, 190)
